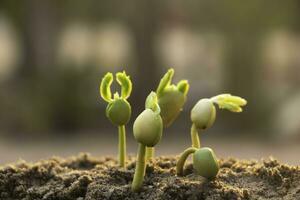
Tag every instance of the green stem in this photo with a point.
(150, 151)
(122, 146)
(182, 159)
(195, 137)
(140, 168)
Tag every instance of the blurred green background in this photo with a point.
(54, 53)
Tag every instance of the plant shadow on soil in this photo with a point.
(85, 178)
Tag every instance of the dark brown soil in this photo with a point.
(84, 177)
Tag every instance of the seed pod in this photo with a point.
(205, 163)
(171, 103)
(118, 111)
(171, 98)
(203, 114)
(147, 128)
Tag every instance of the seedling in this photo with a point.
(147, 130)
(171, 99)
(204, 162)
(118, 110)
(203, 116)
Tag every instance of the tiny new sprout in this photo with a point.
(204, 162)
(203, 116)
(171, 99)
(147, 130)
(118, 110)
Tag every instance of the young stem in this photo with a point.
(182, 159)
(140, 168)
(195, 137)
(150, 151)
(122, 146)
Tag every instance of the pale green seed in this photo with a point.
(118, 112)
(203, 114)
(147, 128)
(205, 163)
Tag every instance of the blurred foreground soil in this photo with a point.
(87, 178)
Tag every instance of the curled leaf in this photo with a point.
(229, 102)
(105, 91)
(183, 86)
(126, 84)
(165, 82)
(152, 102)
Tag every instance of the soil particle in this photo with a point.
(87, 178)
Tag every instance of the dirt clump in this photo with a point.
(86, 178)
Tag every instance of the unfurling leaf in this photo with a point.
(126, 85)
(106, 82)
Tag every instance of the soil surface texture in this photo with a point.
(87, 178)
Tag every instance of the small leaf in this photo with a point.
(106, 82)
(231, 106)
(126, 84)
(229, 102)
(165, 81)
(152, 102)
(183, 86)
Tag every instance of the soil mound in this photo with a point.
(87, 178)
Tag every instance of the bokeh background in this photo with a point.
(53, 54)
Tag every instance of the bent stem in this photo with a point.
(150, 151)
(182, 159)
(195, 137)
(122, 146)
(140, 168)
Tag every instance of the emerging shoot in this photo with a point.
(204, 162)
(147, 130)
(118, 110)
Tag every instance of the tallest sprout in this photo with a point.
(118, 110)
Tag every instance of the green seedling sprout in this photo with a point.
(147, 130)
(118, 110)
(171, 99)
(203, 114)
(204, 162)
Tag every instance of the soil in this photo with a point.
(86, 178)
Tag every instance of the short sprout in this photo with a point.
(171, 98)
(204, 162)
